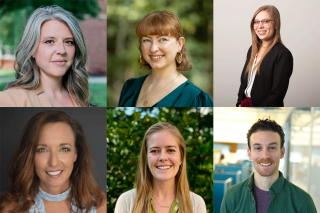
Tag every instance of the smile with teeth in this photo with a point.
(54, 173)
(163, 167)
(156, 57)
(265, 164)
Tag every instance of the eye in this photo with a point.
(49, 42)
(146, 40)
(70, 42)
(41, 150)
(272, 147)
(163, 39)
(171, 150)
(257, 148)
(256, 22)
(154, 151)
(65, 149)
(266, 21)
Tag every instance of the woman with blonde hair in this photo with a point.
(51, 170)
(266, 73)
(161, 184)
(163, 51)
(50, 63)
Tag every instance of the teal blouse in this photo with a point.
(186, 95)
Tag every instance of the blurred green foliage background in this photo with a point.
(125, 130)
(196, 17)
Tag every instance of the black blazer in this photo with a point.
(271, 84)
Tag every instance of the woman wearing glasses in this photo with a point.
(266, 73)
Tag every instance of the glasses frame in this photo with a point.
(262, 21)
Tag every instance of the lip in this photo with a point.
(265, 164)
(54, 176)
(156, 57)
(59, 62)
(170, 166)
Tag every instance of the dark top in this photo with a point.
(271, 84)
(262, 199)
(285, 198)
(185, 95)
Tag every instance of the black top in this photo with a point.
(271, 84)
(185, 95)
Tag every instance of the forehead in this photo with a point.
(263, 15)
(265, 138)
(56, 133)
(162, 138)
(55, 28)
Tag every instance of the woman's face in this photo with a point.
(55, 156)
(56, 49)
(164, 156)
(264, 31)
(160, 51)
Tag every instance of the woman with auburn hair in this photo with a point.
(51, 170)
(162, 184)
(50, 63)
(266, 73)
(163, 51)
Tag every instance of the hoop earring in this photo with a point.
(143, 63)
(179, 57)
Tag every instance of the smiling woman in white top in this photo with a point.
(162, 185)
(266, 73)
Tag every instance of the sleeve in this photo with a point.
(122, 205)
(6, 100)
(124, 90)
(282, 72)
(242, 83)
(199, 205)
(202, 100)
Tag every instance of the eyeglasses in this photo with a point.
(265, 22)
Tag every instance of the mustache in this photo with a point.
(266, 161)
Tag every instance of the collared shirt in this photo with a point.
(285, 198)
(173, 209)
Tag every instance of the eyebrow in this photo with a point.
(154, 147)
(157, 36)
(52, 37)
(62, 144)
(258, 144)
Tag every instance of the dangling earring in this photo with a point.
(179, 57)
(143, 63)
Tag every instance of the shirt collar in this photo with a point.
(275, 188)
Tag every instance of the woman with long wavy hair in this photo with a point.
(162, 184)
(266, 73)
(50, 63)
(51, 170)
(163, 51)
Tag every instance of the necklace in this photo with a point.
(160, 204)
(145, 103)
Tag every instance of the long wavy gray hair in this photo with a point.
(75, 80)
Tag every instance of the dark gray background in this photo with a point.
(93, 121)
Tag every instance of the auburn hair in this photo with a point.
(144, 176)
(24, 185)
(162, 23)
(256, 41)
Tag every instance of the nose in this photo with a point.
(163, 156)
(53, 160)
(154, 47)
(60, 48)
(260, 24)
(265, 153)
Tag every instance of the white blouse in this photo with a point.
(251, 77)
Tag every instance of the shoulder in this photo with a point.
(138, 81)
(6, 207)
(249, 51)
(300, 195)
(125, 201)
(197, 202)
(234, 190)
(13, 96)
(198, 96)
(103, 207)
(280, 49)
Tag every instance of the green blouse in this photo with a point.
(173, 209)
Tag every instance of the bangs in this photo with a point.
(157, 24)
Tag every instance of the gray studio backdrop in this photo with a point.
(93, 121)
(300, 33)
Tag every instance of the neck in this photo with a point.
(159, 76)
(164, 190)
(265, 182)
(55, 190)
(51, 86)
(266, 44)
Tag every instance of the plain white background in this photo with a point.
(300, 33)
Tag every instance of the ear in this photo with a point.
(181, 43)
(249, 153)
(283, 150)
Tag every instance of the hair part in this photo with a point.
(144, 176)
(257, 43)
(266, 125)
(75, 81)
(162, 23)
(24, 185)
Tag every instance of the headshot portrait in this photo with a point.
(50, 60)
(53, 160)
(162, 167)
(164, 63)
(268, 165)
(267, 59)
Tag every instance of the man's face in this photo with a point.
(266, 152)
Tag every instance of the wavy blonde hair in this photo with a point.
(144, 176)
(75, 81)
(256, 42)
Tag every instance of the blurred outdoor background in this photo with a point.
(91, 15)
(125, 131)
(196, 17)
